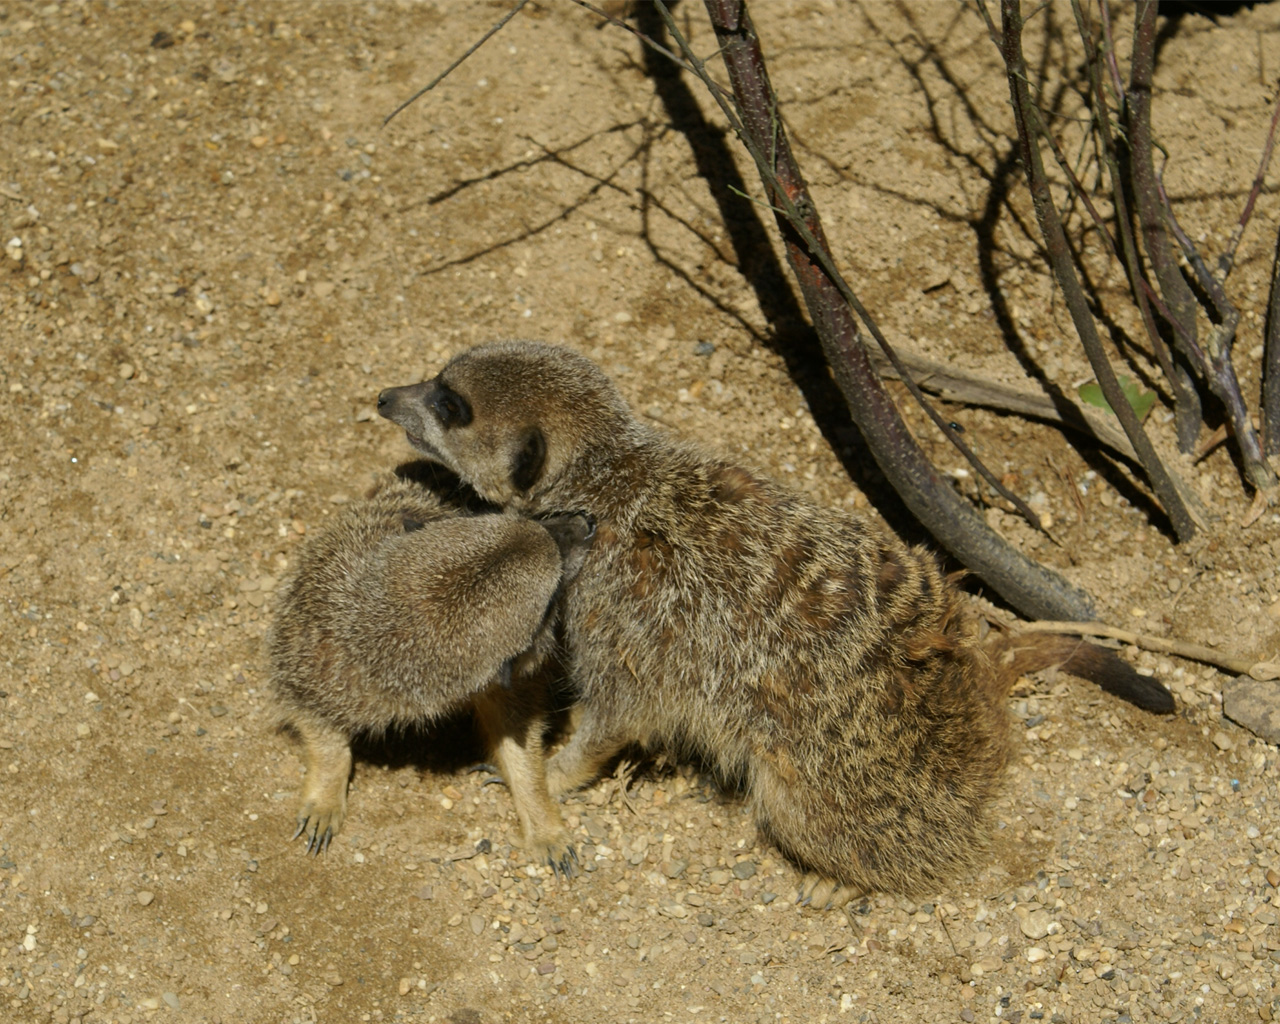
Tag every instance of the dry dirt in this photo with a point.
(216, 256)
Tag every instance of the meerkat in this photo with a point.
(833, 672)
(406, 609)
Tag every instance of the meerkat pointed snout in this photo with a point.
(408, 608)
(511, 458)
(805, 652)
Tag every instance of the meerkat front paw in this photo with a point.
(557, 852)
(320, 818)
(327, 754)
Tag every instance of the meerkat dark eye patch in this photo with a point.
(450, 408)
(527, 464)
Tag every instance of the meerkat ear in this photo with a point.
(527, 464)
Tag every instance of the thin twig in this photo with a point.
(1261, 670)
(1228, 258)
(952, 384)
(1113, 65)
(1068, 481)
(649, 42)
(520, 4)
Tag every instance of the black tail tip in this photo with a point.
(1117, 677)
(1122, 680)
(1147, 693)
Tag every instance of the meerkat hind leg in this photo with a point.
(514, 737)
(581, 760)
(326, 752)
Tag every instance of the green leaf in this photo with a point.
(1140, 401)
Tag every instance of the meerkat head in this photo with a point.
(512, 418)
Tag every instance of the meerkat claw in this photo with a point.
(565, 866)
(494, 776)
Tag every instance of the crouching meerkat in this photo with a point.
(406, 609)
(805, 652)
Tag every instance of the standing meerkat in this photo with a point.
(408, 608)
(806, 652)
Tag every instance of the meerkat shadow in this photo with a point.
(447, 746)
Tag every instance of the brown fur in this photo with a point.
(406, 609)
(833, 671)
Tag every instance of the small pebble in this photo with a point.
(674, 868)
(145, 897)
(1035, 925)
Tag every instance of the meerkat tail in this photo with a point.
(1017, 655)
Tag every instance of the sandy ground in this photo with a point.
(215, 257)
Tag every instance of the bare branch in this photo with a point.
(932, 499)
(1029, 128)
(1180, 302)
(1222, 375)
(1186, 407)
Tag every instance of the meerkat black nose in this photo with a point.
(383, 398)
